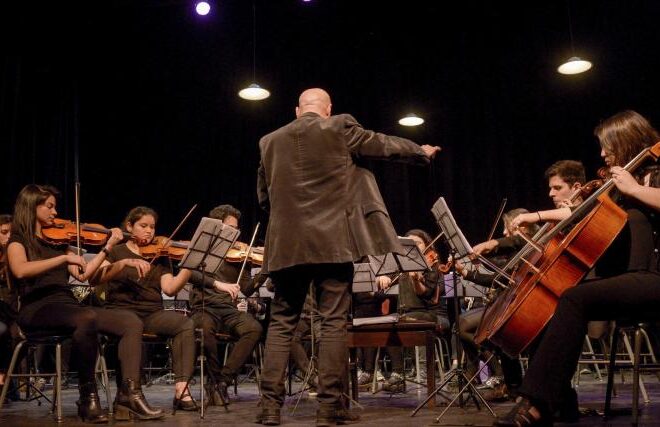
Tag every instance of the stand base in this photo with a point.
(465, 384)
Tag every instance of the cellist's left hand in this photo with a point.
(624, 181)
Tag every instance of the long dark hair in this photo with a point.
(625, 135)
(25, 214)
(426, 238)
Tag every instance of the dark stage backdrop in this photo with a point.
(147, 92)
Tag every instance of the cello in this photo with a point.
(553, 263)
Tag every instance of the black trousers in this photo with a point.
(85, 323)
(332, 285)
(634, 295)
(180, 328)
(509, 368)
(238, 323)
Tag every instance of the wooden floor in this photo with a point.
(380, 409)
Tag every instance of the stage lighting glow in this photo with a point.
(202, 8)
(574, 65)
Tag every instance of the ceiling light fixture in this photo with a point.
(411, 120)
(254, 92)
(574, 64)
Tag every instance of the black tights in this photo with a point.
(84, 324)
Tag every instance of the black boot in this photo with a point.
(331, 415)
(130, 403)
(89, 405)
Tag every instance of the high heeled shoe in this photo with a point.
(89, 405)
(130, 403)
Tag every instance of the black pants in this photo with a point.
(332, 284)
(509, 368)
(180, 328)
(85, 323)
(238, 323)
(634, 295)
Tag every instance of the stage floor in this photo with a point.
(378, 409)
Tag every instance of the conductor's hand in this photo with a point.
(431, 150)
(231, 288)
(383, 282)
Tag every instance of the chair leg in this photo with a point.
(106, 381)
(610, 372)
(12, 365)
(58, 388)
(631, 355)
(418, 376)
(636, 379)
(374, 380)
(590, 347)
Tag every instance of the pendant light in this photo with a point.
(254, 92)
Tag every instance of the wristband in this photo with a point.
(539, 214)
(106, 251)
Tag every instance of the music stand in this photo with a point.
(410, 259)
(459, 248)
(206, 254)
(364, 281)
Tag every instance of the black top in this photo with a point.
(636, 247)
(53, 281)
(409, 301)
(227, 273)
(126, 290)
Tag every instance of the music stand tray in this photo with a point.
(411, 259)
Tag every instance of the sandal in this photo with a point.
(521, 416)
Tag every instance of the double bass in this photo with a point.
(553, 263)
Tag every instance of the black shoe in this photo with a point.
(326, 417)
(269, 417)
(568, 411)
(183, 405)
(520, 416)
(130, 403)
(89, 405)
(221, 388)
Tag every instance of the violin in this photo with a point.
(433, 260)
(160, 246)
(239, 253)
(65, 231)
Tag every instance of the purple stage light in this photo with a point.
(202, 8)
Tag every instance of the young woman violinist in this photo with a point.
(628, 287)
(41, 271)
(136, 285)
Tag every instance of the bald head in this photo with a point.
(314, 100)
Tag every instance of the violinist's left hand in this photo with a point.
(624, 181)
(383, 282)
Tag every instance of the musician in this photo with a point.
(509, 368)
(7, 300)
(41, 272)
(221, 313)
(419, 299)
(632, 291)
(136, 285)
(564, 177)
(325, 213)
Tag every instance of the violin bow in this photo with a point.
(171, 236)
(497, 219)
(249, 249)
